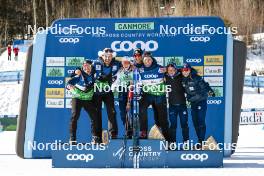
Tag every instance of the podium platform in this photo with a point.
(118, 155)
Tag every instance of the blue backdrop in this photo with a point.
(66, 50)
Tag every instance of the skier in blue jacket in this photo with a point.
(81, 87)
(106, 69)
(153, 93)
(197, 91)
(138, 63)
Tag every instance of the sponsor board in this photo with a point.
(213, 70)
(64, 40)
(219, 91)
(214, 102)
(80, 157)
(194, 157)
(68, 93)
(54, 92)
(146, 153)
(55, 61)
(54, 103)
(200, 39)
(160, 60)
(214, 81)
(55, 72)
(69, 72)
(214, 60)
(134, 26)
(250, 118)
(74, 61)
(193, 60)
(67, 79)
(199, 70)
(129, 45)
(178, 60)
(68, 103)
(55, 82)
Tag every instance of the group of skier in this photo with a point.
(90, 84)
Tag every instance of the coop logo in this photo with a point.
(194, 60)
(69, 40)
(70, 71)
(80, 157)
(128, 45)
(150, 76)
(200, 39)
(214, 102)
(197, 157)
(54, 103)
(55, 82)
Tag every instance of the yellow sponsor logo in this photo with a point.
(214, 60)
(199, 69)
(54, 92)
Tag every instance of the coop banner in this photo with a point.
(196, 43)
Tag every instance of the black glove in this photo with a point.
(104, 78)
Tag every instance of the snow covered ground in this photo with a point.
(247, 160)
(10, 93)
(251, 99)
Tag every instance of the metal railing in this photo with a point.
(254, 81)
(12, 76)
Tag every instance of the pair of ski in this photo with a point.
(134, 96)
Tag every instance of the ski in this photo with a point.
(136, 92)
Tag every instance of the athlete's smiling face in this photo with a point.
(107, 57)
(147, 61)
(87, 68)
(186, 72)
(138, 58)
(126, 64)
(171, 71)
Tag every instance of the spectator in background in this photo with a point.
(9, 50)
(254, 77)
(16, 50)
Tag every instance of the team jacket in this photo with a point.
(196, 88)
(123, 78)
(105, 75)
(152, 79)
(83, 84)
(176, 95)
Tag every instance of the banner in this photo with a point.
(178, 40)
